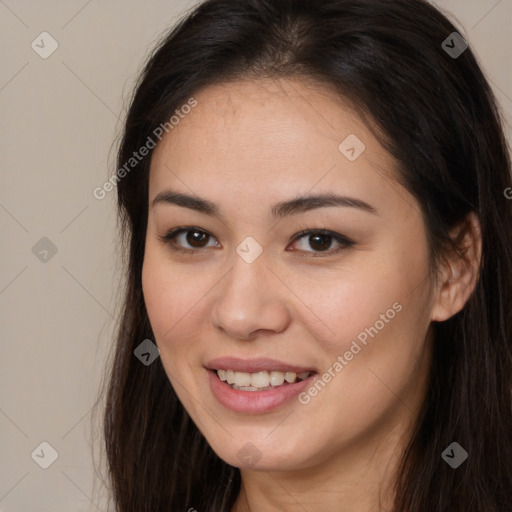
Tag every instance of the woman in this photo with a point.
(318, 305)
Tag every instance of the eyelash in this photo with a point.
(341, 239)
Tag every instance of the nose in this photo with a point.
(251, 301)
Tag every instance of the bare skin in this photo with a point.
(245, 147)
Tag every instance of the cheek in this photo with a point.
(378, 318)
(377, 353)
(168, 304)
(374, 368)
(165, 296)
(175, 305)
(371, 304)
(158, 296)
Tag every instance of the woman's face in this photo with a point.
(255, 297)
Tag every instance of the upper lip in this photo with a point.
(255, 365)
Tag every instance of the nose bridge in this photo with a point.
(246, 303)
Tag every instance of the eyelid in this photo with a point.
(345, 242)
(342, 239)
(169, 237)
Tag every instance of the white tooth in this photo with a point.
(303, 375)
(248, 388)
(222, 374)
(276, 378)
(234, 386)
(260, 379)
(230, 376)
(242, 379)
(290, 377)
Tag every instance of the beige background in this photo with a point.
(59, 118)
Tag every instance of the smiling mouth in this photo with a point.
(260, 381)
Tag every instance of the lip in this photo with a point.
(255, 365)
(255, 402)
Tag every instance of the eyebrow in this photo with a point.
(278, 210)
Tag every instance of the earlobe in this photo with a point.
(460, 271)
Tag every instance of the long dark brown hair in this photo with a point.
(437, 116)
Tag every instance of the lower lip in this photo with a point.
(254, 401)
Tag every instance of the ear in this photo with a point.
(458, 275)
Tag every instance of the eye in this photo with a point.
(195, 237)
(320, 240)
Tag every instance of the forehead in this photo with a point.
(265, 138)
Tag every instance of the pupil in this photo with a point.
(192, 239)
(320, 246)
